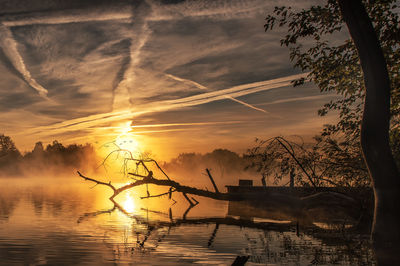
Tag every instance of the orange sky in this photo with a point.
(157, 76)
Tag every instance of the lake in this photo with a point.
(62, 221)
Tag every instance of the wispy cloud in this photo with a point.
(187, 81)
(140, 33)
(298, 99)
(56, 20)
(133, 126)
(9, 47)
(93, 120)
(235, 91)
(161, 128)
(150, 62)
(222, 9)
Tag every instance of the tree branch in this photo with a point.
(98, 182)
(212, 180)
(294, 158)
(169, 183)
(158, 195)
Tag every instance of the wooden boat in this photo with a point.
(304, 204)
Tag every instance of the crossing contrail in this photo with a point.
(198, 85)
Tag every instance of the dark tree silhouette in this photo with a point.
(375, 132)
(356, 69)
(9, 156)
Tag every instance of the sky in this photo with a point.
(163, 76)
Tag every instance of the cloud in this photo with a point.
(221, 9)
(25, 12)
(187, 81)
(152, 62)
(237, 91)
(298, 99)
(78, 63)
(140, 33)
(160, 128)
(9, 47)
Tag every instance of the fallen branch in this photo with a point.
(158, 195)
(292, 207)
(149, 179)
(98, 182)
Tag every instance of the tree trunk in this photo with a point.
(375, 133)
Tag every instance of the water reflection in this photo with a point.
(8, 202)
(43, 222)
(129, 203)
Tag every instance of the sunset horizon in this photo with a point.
(129, 68)
(206, 132)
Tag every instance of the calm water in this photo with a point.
(66, 221)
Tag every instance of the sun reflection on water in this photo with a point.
(129, 203)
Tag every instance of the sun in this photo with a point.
(126, 139)
(125, 128)
(129, 203)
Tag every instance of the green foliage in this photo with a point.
(334, 65)
(320, 45)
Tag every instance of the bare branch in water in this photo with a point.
(97, 181)
(158, 195)
(149, 179)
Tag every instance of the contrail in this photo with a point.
(306, 98)
(198, 85)
(187, 81)
(222, 9)
(235, 91)
(9, 46)
(119, 78)
(98, 119)
(246, 104)
(225, 9)
(140, 30)
(57, 18)
(174, 125)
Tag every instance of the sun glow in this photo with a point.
(129, 203)
(126, 139)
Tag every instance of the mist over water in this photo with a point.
(50, 215)
(67, 221)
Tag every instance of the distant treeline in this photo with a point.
(55, 158)
(226, 166)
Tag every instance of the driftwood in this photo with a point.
(325, 206)
(176, 187)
